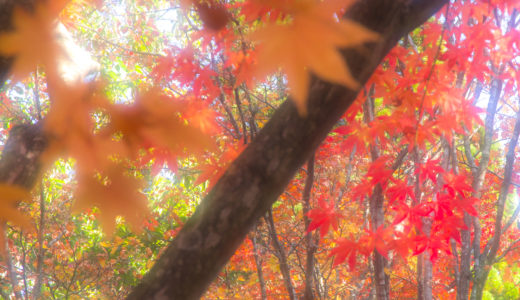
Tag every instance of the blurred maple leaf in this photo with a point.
(456, 183)
(115, 194)
(345, 249)
(377, 240)
(218, 165)
(430, 170)
(70, 127)
(10, 196)
(309, 42)
(33, 40)
(154, 120)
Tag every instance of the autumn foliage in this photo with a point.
(413, 194)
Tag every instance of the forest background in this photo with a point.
(412, 194)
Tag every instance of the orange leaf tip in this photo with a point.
(309, 42)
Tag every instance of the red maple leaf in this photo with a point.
(456, 184)
(323, 217)
(346, 249)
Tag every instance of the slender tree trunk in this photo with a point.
(485, 260)
(41, 251)
(13, 277)
(376, 207)
(258, 262)
(424, 265)
(420, 271)
(280, 253)
(309, 237)
(427, 267)
(23, 261)
(489, 256)
(463, 286)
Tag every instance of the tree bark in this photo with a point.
(310, 239)
(13, 276)
(37, 289)
(258, 176)
(280, 254)
(376, 209)
(258, 263)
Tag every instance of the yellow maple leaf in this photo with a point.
(309, 42)
(33, 40)
(10, 195)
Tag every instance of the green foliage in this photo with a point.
(499, 288)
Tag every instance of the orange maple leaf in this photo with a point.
(116, 194)
(154, 121)
(33, 40)
(10, 196)
(309, 42)
(70, 127)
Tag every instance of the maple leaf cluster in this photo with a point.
(305, 38)
(155, 123)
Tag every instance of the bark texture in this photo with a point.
(376, 209)
(310, 237)
(281, 255)
(20, 163)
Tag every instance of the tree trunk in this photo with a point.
(309, 237)
(282, 257)
(376, 207)
(463, 291)
(13, 277)
(258, 262)
(36, 291)
(489, 257)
